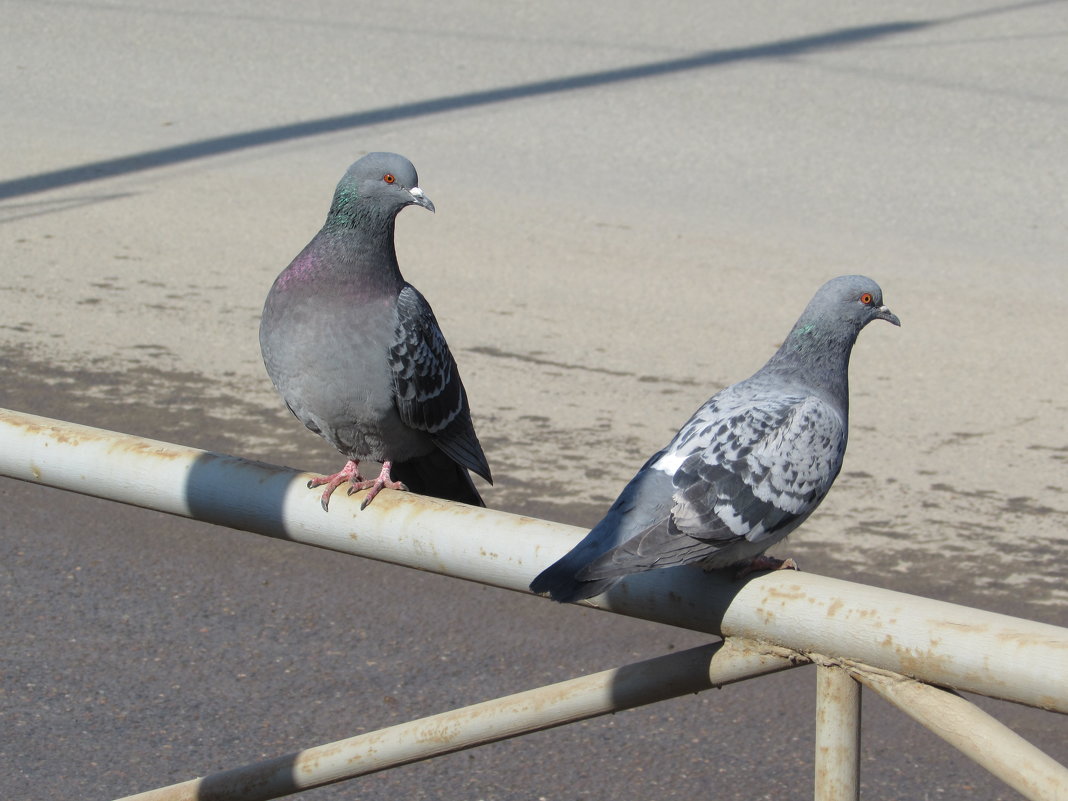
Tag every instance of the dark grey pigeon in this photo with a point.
(747, 469)
(357, 355)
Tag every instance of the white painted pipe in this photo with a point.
(641, 683)
(946, 644)
(976, 734)
(837, 762)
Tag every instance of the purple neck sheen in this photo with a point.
(301, 271)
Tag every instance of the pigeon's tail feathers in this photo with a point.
(439, 476)
(462, 446)
(560, 581)
(644, 503)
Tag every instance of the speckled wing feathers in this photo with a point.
(751, 471)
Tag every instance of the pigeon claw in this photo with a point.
(350, 472)
(375, 486)
(762, 562)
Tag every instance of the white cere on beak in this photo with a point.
(416, 192)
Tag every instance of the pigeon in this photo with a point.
(747, 469)
(356, 352)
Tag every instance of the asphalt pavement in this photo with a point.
(634, 204)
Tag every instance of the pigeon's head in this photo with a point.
(378, 186)
(830, 323)
(851, 301)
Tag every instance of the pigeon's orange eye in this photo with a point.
(866, 298)
(388, 178)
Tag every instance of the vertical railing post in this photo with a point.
(837, 735)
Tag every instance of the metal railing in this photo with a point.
(915, 652)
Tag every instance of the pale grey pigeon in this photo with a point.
(747, 469)
(357, 355)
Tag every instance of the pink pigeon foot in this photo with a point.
(350, 472)
(376, 485)
(763, 562)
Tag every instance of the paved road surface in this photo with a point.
(633, 207)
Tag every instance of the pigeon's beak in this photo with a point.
(884, 313)
(419, 198)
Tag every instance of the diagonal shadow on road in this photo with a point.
(204, 148)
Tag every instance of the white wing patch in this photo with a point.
(669, 462)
